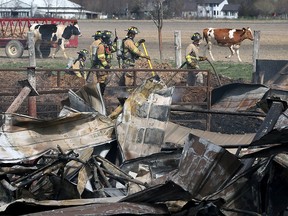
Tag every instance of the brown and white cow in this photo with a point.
(231, 38)
(53, 33)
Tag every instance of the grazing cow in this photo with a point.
(53, 33)
(231, 38)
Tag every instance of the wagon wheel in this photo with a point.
(14, 49)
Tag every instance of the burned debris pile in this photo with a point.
(141, 163)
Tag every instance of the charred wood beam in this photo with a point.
(97, 183)
(109, 166)
(102, 174)
(17, 170)
(28, 89)
(60, 162)
(23, 181)
(126, 178)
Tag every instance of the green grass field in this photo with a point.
(234, 70)
(231, 69)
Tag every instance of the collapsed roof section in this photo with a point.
(87, 162)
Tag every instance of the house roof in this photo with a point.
(189, 6)
(210, 1)
(14, 4)
(39, 3)
(231, 7)
(54, 3)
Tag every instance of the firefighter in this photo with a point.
(110, 47)
(101, 61)
(93, 49)
(130, 54)
(193, 58)
(94, 46)
(79, 63)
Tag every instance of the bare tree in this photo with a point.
(266, 7)
(157, 17)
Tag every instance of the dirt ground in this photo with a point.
(273, 36)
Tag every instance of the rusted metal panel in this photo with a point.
(177, 134)
(141, 126)
(282, 159)
(282, 120)
(271, 69)
(167, 191)
(110, 209)
(88, 99)
(204, 167)
(159, 164)
(23, 137)
(241, 195)
(274, 128)
(237, 96)
(275, 136)
(277, 188)
(78, 103)
(270, 120)
(51, 204)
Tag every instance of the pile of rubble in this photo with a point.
(139, 162)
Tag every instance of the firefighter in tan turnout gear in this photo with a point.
(130, 54)
(93, 50)
(102, 58)
(94, 46)
(192, 58)
(79, 64)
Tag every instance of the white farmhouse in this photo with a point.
(216, 9)
(211, 8)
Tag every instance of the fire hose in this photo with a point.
(216, 74)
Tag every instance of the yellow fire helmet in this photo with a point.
(133, 30)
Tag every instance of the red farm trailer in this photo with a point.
(13, 35)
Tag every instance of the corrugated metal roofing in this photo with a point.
(177, 134)
(23, 137)
(237, 96)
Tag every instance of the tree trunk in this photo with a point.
(160, 43)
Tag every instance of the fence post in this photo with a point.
(177, 45)
(256, 45)
(31, 76)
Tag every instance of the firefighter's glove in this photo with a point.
(115, 39)
(141, 41)
(107, 67)
(203, 58)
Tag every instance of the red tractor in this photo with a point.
(13, 35)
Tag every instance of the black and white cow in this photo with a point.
(54, 33)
